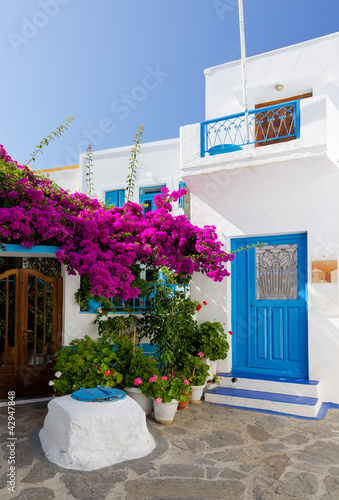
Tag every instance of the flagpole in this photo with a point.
(243, 66)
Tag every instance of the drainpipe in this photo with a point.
(243, 66)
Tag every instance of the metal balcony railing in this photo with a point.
(269, 125)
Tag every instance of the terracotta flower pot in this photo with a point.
(183, 405)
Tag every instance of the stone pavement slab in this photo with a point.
(209, 452)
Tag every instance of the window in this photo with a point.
(116, 198)
(185, 201)
(273, 125)
(146, 197)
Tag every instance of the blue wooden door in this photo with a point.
(269, 312)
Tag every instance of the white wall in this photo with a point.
(158, 164)
(301, 68)
(65, 177)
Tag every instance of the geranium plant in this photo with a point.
(211, 340)
(196, 370)
(164, 388)
(131, 362)
(85, 363)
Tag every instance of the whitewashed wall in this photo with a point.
(289, 187)
(158, 164)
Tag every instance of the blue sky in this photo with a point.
(114, 64)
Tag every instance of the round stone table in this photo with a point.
(88, 436)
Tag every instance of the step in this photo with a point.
(280, 385)
(290, 404)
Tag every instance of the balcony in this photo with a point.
(296, 131)
(269, 125)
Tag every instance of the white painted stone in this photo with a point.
(89, 436)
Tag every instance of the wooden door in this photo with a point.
(277, 124)
(30, 331)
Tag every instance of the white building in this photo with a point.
(277, 187)
(285, 193)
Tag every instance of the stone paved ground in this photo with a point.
(209, 452)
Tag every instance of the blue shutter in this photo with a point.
(116, 198)
(182, 185)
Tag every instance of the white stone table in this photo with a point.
(88, 436)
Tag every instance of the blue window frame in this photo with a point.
(146, 196)
(116, 198)
(181, 202)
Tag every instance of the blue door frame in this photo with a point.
(270, 334)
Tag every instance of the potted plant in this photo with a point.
(135, 368)
(196, 372)
(169, 325)
(212, 342)
(166, 391)
(85, 363)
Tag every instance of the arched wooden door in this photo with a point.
(30, 331)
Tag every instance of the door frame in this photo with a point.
(240, 306)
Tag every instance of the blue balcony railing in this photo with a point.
(277, 123)
(141, 303)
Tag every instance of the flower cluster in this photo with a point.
(100, 242)
(167, 387)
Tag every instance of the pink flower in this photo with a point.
(153, 379)
(137, 381)
(164, 378)
(200, 354)
(158, 400)
(186, 382)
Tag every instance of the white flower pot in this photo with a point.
(136, 394)
(196, 396)
(164, 412)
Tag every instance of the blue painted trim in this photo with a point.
(321, 413)
(297, 119)
(34, 249)
(256, 376)
(266, 396)
(204, 135)
(202, 139)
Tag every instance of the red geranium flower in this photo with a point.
(229, 331)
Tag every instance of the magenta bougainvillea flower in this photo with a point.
(100, 242)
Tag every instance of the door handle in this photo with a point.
(28, 331)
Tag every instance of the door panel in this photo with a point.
(33, 324)
(269, 297)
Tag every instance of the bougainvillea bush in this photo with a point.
(100, 242)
